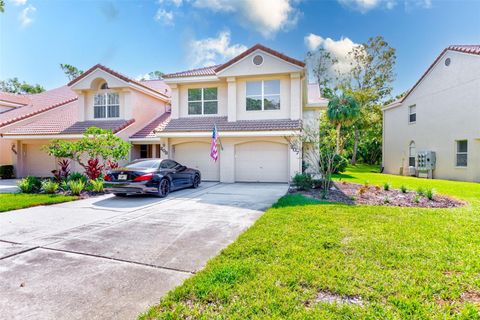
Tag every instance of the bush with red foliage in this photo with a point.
(94, 169)
(112, 164)
(64, 170)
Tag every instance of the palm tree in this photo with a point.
(341, 111)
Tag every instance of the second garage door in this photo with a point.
(261, 162)
(196, 155)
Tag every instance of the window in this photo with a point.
(143, 164)
(203, 101)
(263, 95)
(462, 153)
(412, 154)
(412, 114)
(106, 105)
(144, 151)
(168, 164)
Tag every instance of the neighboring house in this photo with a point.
(99, 97)
(258, 101)
(440, 113)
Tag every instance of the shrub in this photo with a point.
(403, 188)
(76, 187)
(303, 181)
(93, 169)
(416, 199)
(64, 170)
(29, 184)
(386, 186)
(97, 185)
(429, 193)
(49, 186)
(6, 172)
(112, 164)
(339, 164)
(420, 191)
(64, 185)
(77, 176)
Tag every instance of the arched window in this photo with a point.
(412, 154)
(104, 86)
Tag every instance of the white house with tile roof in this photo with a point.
(440, 113)
(258, 101)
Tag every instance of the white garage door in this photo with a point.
(261, 162)
(197, 155)
(37, 162)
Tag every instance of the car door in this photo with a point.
(184, 176)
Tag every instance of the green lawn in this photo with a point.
(404, 263)
(12, 201)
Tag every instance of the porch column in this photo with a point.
(175, 96)
(232, 99)
(295, 96)
(154, 151)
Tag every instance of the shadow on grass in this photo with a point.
(299, 200)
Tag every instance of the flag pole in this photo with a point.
(218, 137)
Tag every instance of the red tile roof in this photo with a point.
(39, 103)
(63, 121)
(118, 75)
(206, 71)
(212, 70)
(149, 130)
(14, 98)
(464, 48)
(263, 48)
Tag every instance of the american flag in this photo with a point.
(213, 146)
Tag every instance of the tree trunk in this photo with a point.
(339, 127)
(355, 146)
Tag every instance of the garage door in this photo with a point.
(197, 155)
(261, 162)
(37, 162)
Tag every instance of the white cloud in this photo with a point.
(266, 16)
(364, 6)
(25, 15)
(338, 49)
(165, 17)
(176, 3)
(211, 51)
(19, 2)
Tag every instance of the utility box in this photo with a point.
(426, 161)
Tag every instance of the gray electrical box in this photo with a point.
(426, 161)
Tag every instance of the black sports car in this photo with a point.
(151, 176)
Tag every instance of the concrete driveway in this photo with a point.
(111, 258)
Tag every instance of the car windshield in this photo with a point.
(144, 164)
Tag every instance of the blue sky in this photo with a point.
(135, 37)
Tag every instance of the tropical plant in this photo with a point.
(403, 188)
(29, 184)
(96, 143)
(386, 186)
(77, 176)
(93, 169)
(420, 191)
(111, 164)
(429, 193)
(96, 185)
(342, 110)
(76, 187)
(49, 186)
(64, 170)
(70, 71)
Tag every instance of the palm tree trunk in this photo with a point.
(355, 146)
(339, 127)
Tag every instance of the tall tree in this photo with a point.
(70, 71)
(369, 81)
(342, 110)
(13, 85)
(323, 69)
(154, 75)
(2, 5)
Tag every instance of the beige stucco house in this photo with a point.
(258, 101)
(441, 114)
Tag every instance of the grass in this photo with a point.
(403, 263)
(13, 201)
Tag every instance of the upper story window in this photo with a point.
(462, 153)
(202, 101)
(412, 114)
(106, 105)
(263, 95)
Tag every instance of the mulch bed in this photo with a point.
(352, 193)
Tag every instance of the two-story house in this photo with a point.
(441, 114)
(100, 97)
(255, 100)
(258, 101)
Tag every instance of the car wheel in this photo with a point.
(120, 194)
(196, 181)
(163, 188)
